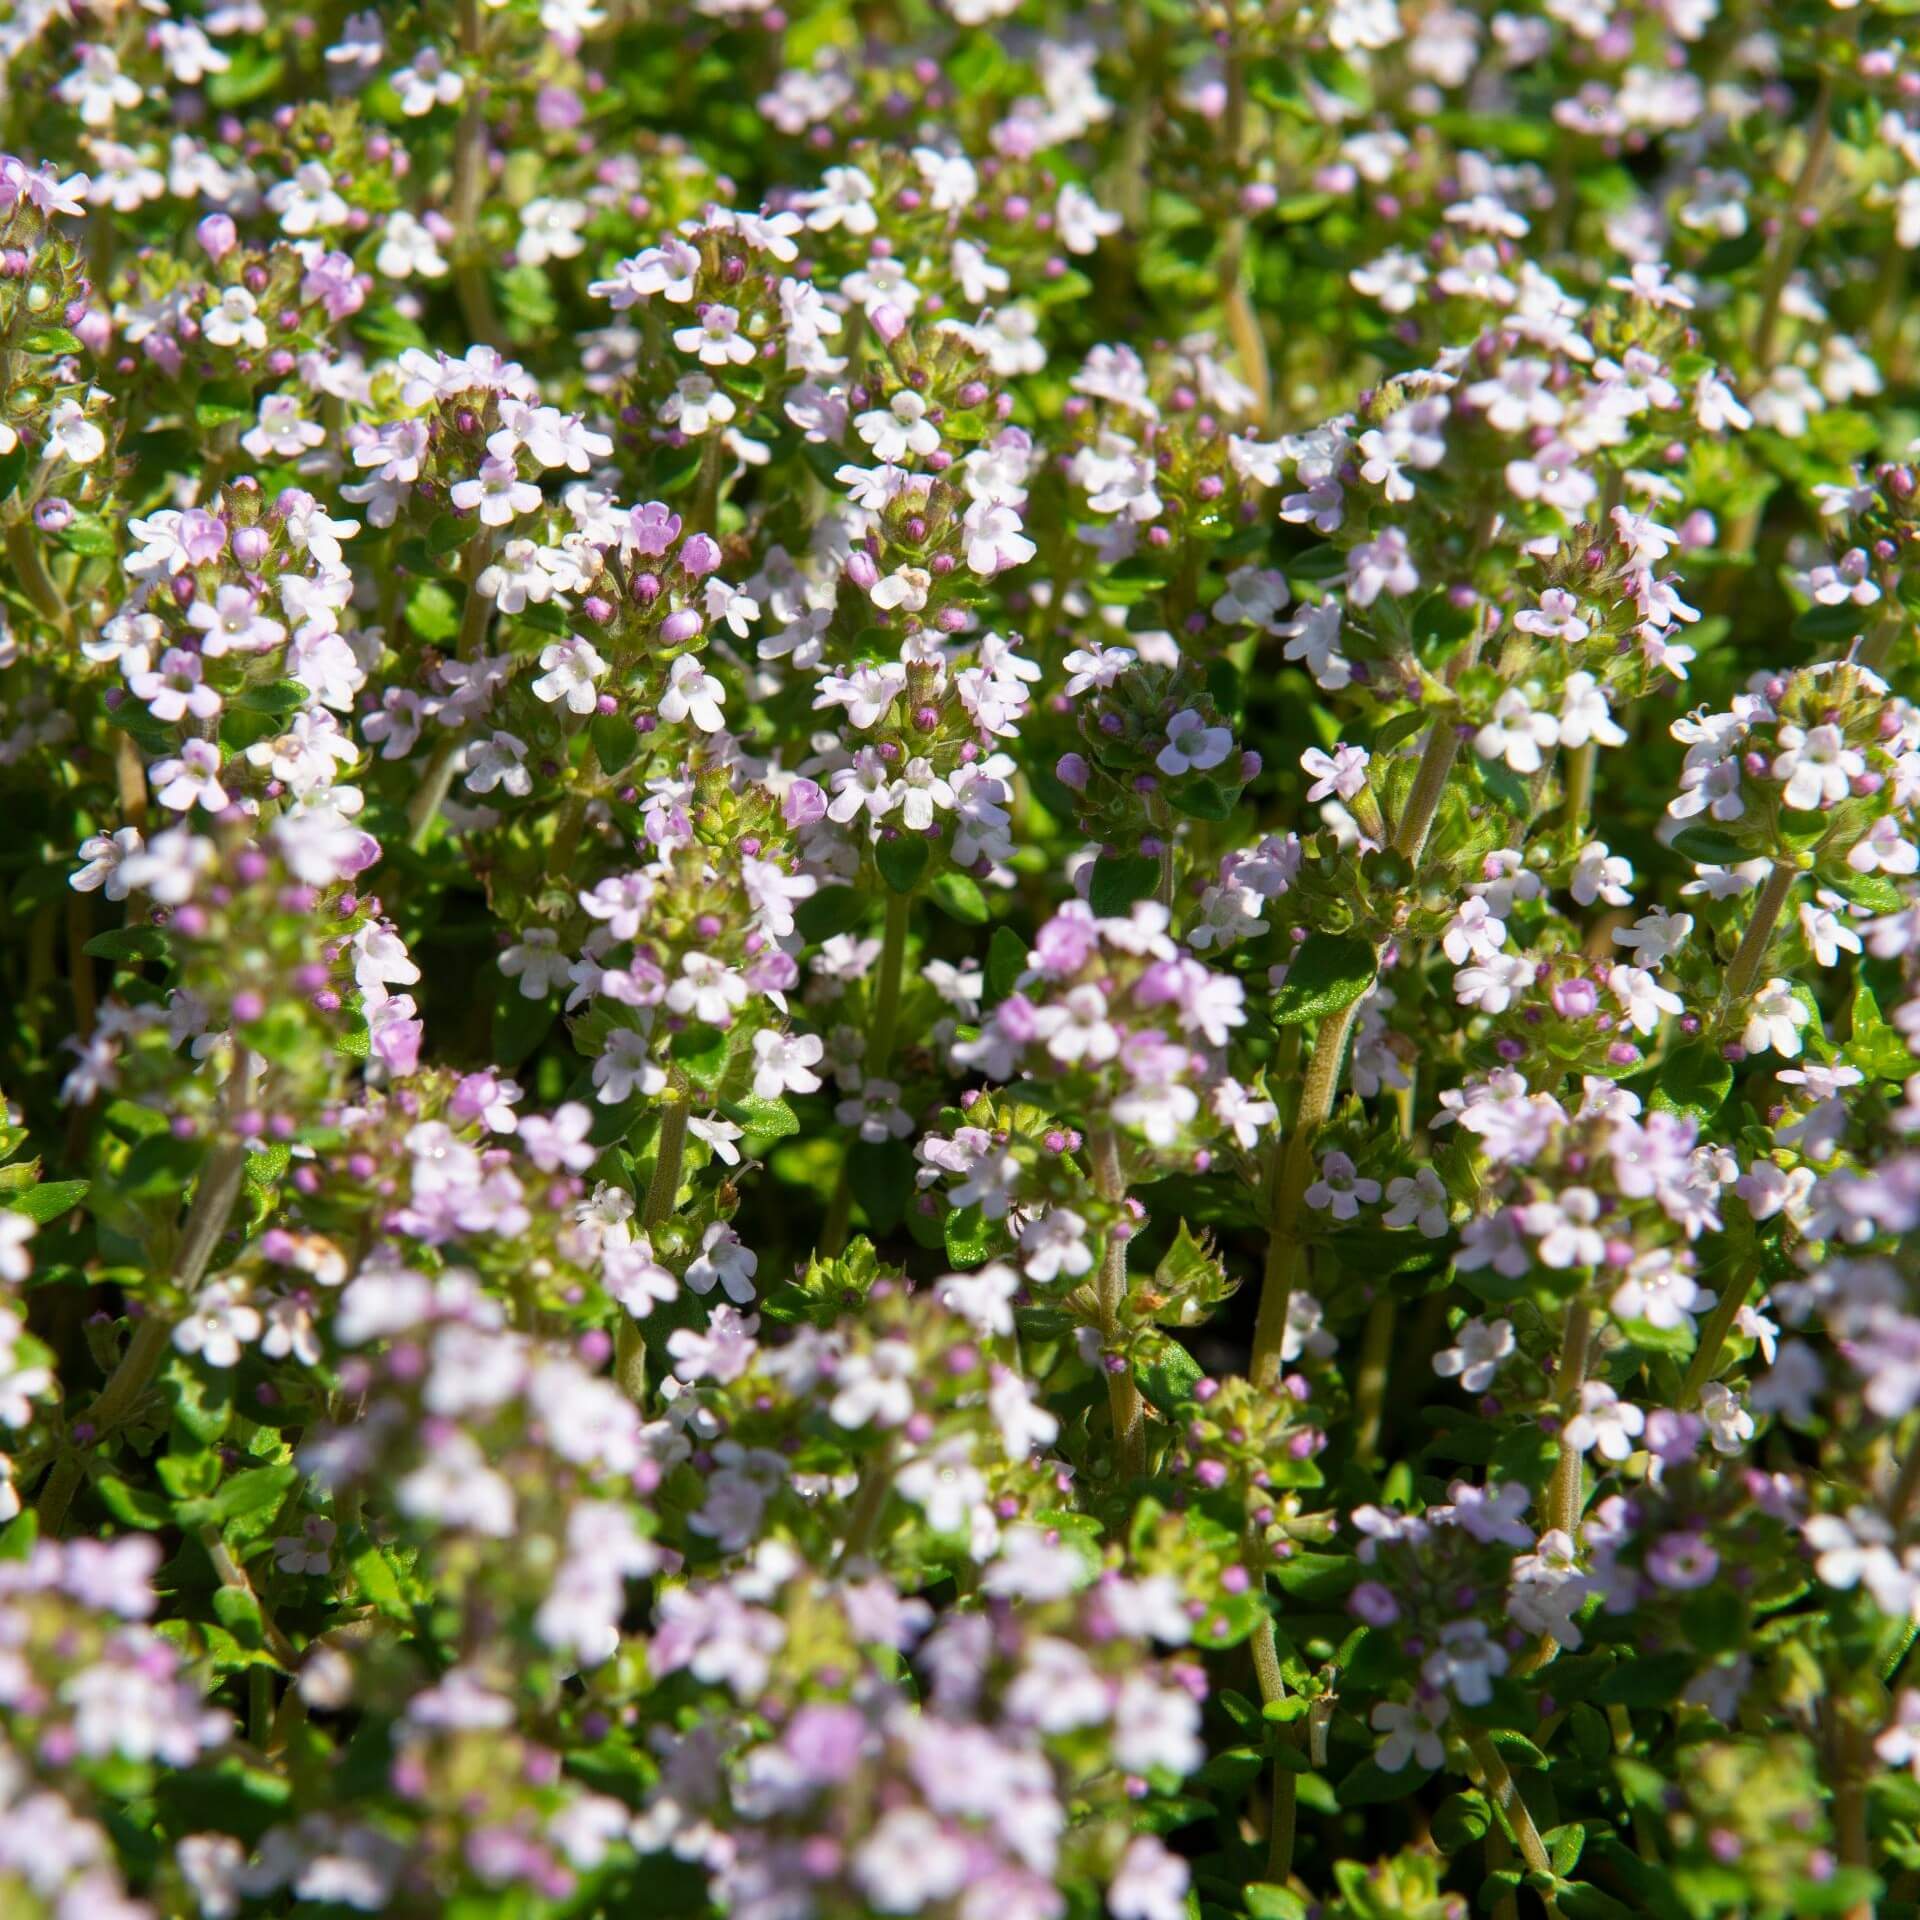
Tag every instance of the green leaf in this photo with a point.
(130, 944)
(1329, 972)
(1006, 962)
(202, 1401)
(432, 612)
(1695, 1080)
(238, 1610)
(614, 741)
(970, 1236)
(770, 1119)
(209, 414)
(1647, 1680)
(245, 1493)
(51, 340)
(831, 911)
(902, 860)
(1461, 1820)
(49, 1200)
(1201, 800)
(1119, 879)
(133, 1506)
(1168, 1374)
(281, 697)
(1710, 847)
(881, 1176)
(958, 895)
(519, 1024)
(1265, 1901)
(1369, 1784)
(88, 534)
(379, 1586)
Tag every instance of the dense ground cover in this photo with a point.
(959, 959)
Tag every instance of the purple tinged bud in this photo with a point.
(1575, 999)
(888, 322)
(251, 545)
(680, 626)
(1072, 772)
(861, 572)
(700, 556)
(804, 803)
(218, 236)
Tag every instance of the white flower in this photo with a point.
(72, 436)
(16, 1264)
(1774, 1020)
(1192, 745)
(1410, 1732)
(723, 1258)
(1340, 1188)
(994, 539)
(1343, 772)
(218, 1325)
(693, 694)
(550, 230)
(899, 428)
(1604, 1421)
(875, 1387)
(1474, 1358)
(783, 1063)
(536, 961)
(572, 667)
(1151, 1880)
(1517, 734)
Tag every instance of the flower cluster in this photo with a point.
(962, 960)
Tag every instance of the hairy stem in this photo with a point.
(1370, 1382)
(1123, 1395)
(1289, 1174)
(30, 570)
(1744, 970)
(1579, 770)
(425, 803)
(470, 282)
(878, 1055)
(1564, 1495)
(1713, 1336)
(1793, 230)
(1429, 783)
(629, 1342)
(218, 1188)
(1506, 1796)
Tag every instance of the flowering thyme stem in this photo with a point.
(23, 550)
(1513, 1808)
(213, 1200)
(1123, 1395)
(1370, 1383)
(629, 1343)
(1243, 325)
(1792, 228)
(1289, 1172)
(1905, 1488)
(1578, 782)
(1429, 783)
(1745, 968)
(1285, 1805)
(1713, 1336)
(1563, 1509)
(474, 616)
(879, 1052)
(469, 189)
